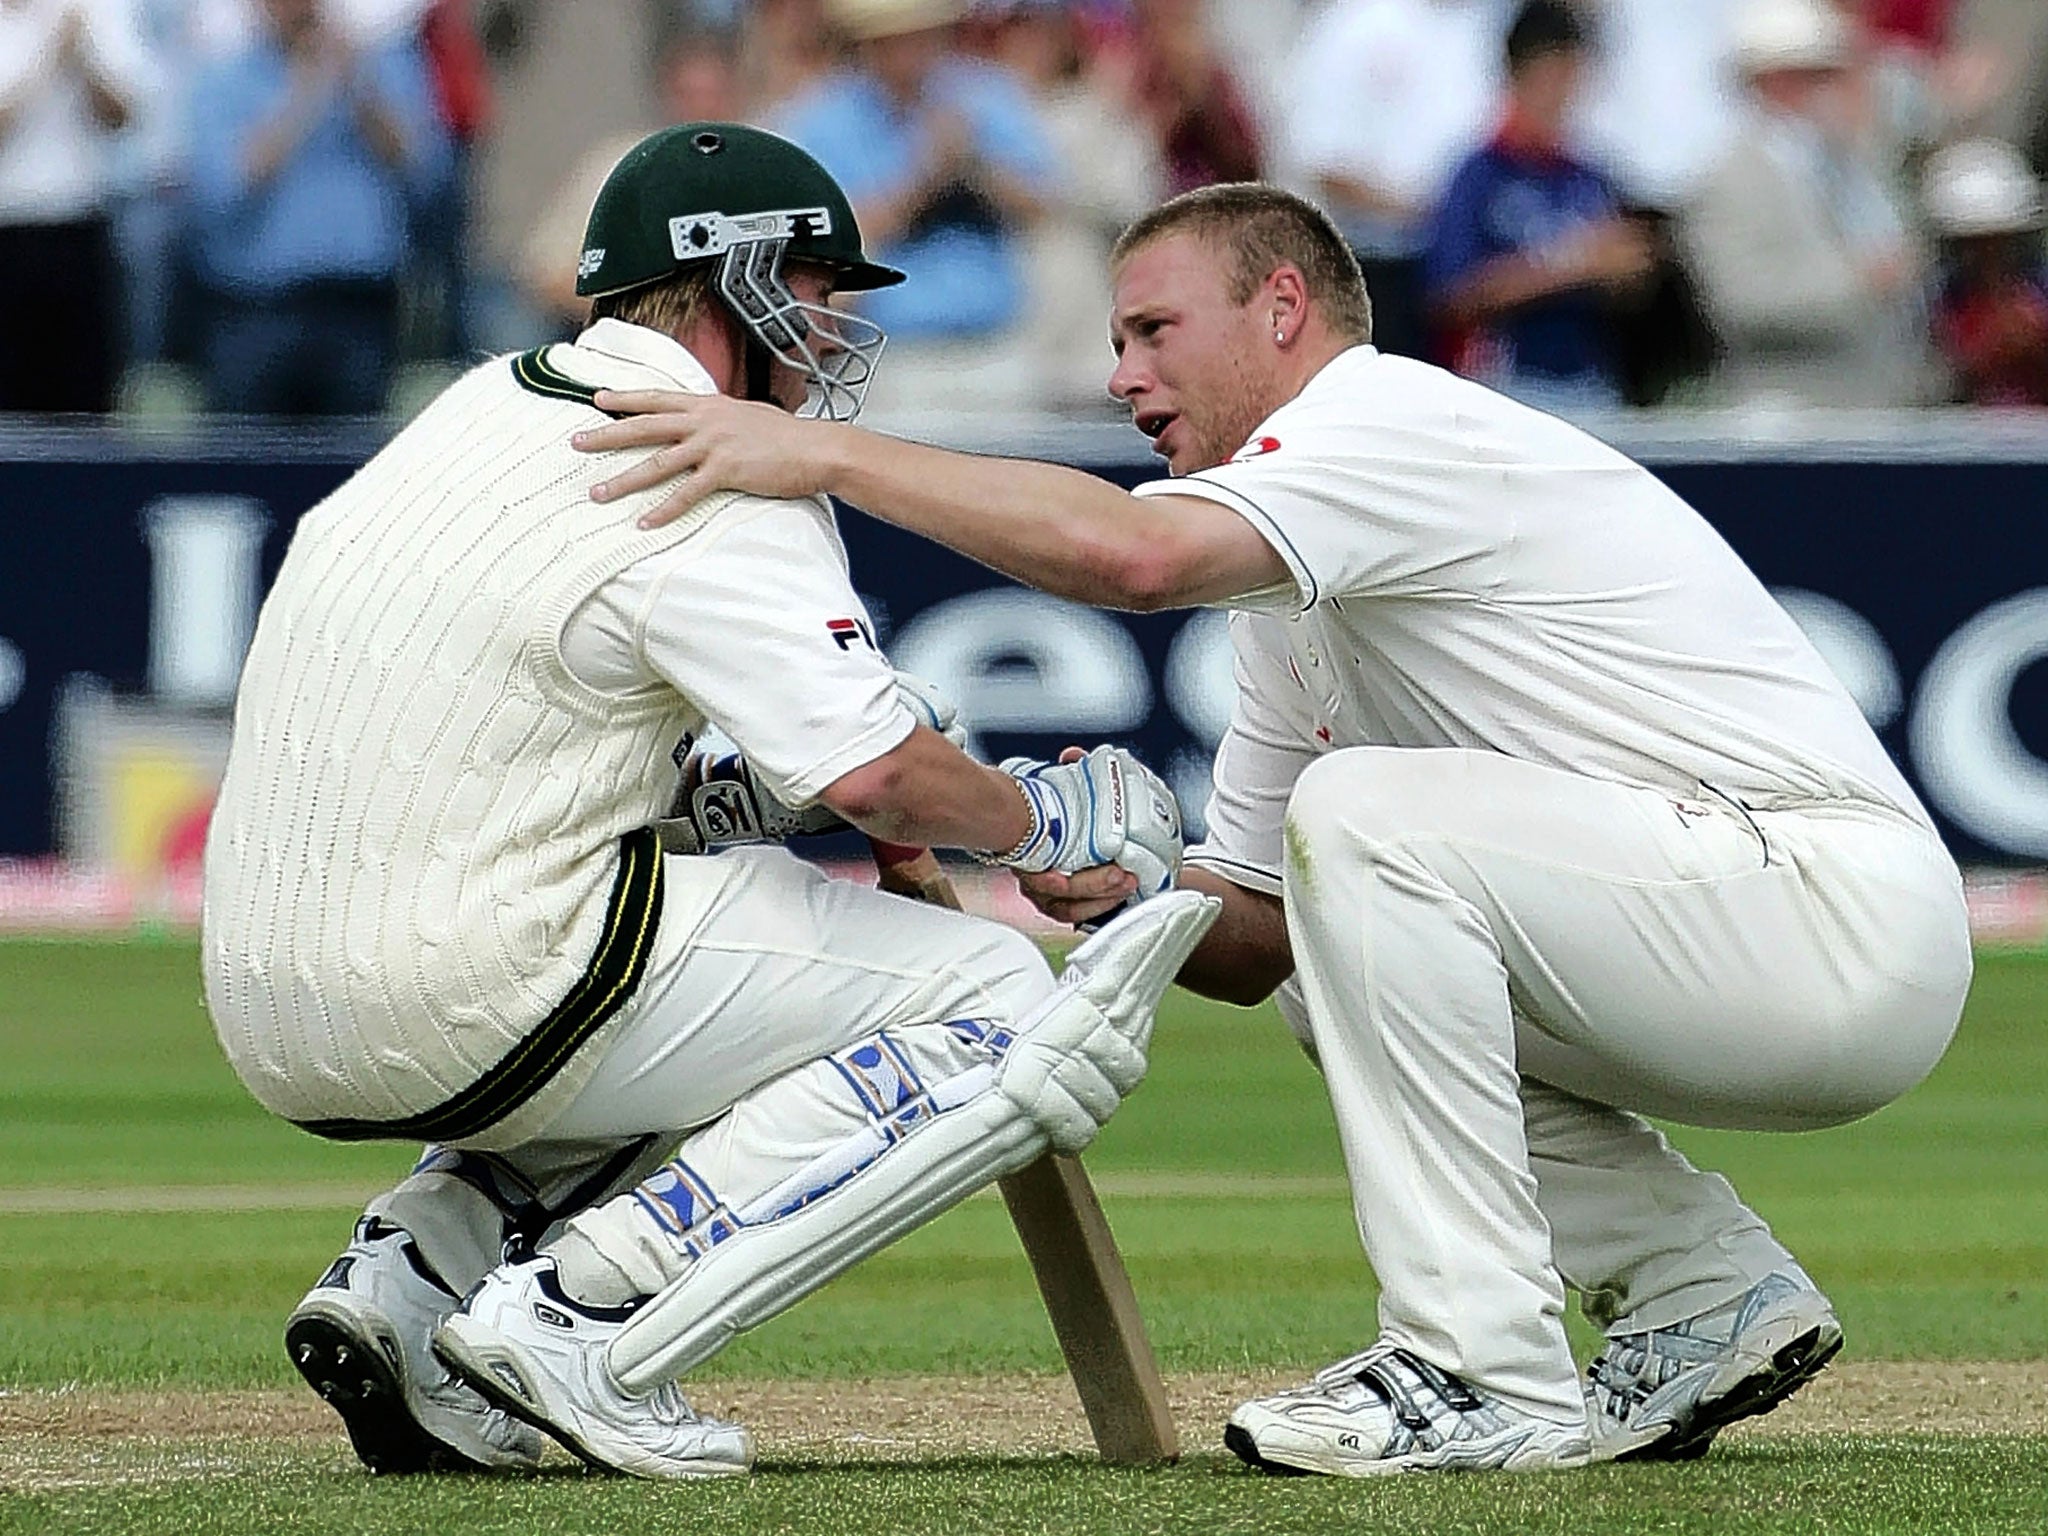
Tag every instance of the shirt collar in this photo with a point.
(1357, 355)
(646, 348)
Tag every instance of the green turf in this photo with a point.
(1829, 1486)
(1928, 1223)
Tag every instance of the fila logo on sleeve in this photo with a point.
(847, 633)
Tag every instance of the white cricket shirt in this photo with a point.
(428, 885)
(754, 621)
(1469, 572)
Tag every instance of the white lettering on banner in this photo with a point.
(1853, 649)
(13, 674)
(1201, 684)
(1022, 661)
(1972, 762)
(205, 582)
(1191, 774)
(1201, 677)
(1025, 662)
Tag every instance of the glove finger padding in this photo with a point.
(1104, 808)
(1152, 838)
(1069, 1096)
(1121, 1060)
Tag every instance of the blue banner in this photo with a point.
(1923, 578)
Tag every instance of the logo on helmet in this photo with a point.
(590, 261)
(713, 234)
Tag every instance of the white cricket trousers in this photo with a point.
(1503, 967)
(790, 966)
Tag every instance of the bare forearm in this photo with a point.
(1502, 286)
(927, 793)
(108, 106)
(381, 131)
(1057, 529)
(886, 216)
(1053, 528)
(15, 92)
(1017, 199)
(883, 218)
(1356, 193)
(271, 145)
(1246, 954)
(987, 816)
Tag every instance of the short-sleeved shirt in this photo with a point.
(1506, 201)
(754, 620)
(966, 276)
(1467, 572)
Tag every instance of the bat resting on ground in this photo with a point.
(1073, 1253)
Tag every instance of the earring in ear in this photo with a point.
(1280, 337)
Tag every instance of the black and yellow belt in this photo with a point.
(608, 981)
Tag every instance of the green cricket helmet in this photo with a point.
(751, 201)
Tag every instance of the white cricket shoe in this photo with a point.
(542, 1357)
(1664, 1393)
(361, 1338)
(1388, 1410)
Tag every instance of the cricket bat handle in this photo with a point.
(1073, 1253)
(913, 872)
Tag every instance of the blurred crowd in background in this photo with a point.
(313, 207)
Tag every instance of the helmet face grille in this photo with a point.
(836, 352)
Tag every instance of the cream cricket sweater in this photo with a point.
(415, 907)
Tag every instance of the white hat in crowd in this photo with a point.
(1790, 34)
(1981, 187)
(862, 20)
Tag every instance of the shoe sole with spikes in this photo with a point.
(359, 1380)
(1758, 1393)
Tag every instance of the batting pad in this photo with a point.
(893, 1131)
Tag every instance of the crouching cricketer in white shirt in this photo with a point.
(1553, 816)
(436, 907)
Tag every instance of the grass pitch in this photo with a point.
(155, 1227)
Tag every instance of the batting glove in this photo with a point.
(1105, 808)
(1071, 1075)
(723, 801)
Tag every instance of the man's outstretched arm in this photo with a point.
(1057, 529)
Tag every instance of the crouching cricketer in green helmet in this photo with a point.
(463, 889)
